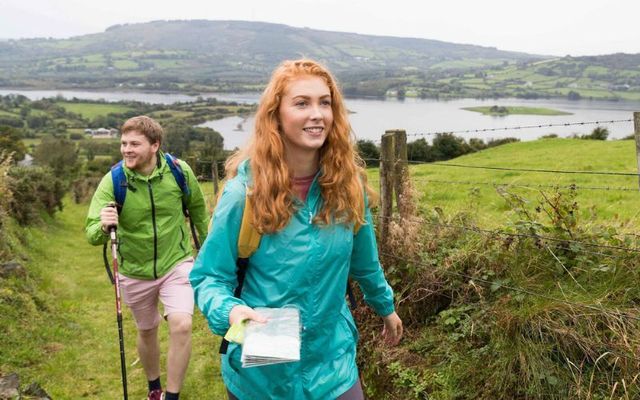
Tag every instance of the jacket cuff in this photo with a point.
(219, 320)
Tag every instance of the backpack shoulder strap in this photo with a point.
(119, 180)
(181, 180)
(249, 238)
(178, 173)
(248, 242)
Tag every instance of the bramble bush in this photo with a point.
(546, 307)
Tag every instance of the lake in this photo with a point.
(419, 117)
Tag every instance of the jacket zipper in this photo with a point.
(155, 232)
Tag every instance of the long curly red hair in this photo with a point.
(342, 176)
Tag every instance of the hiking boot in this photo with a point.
(156, 394)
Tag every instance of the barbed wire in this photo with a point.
(515, 288)
(497, 233)
(614, 121)
(553, 171)
(572, 186)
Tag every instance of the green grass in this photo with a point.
(92, 110)
(513, 110)
(30, 142)
(4, 113)
(71, 348)
(618, 207)
(125, 64)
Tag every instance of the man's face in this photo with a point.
(138, 153)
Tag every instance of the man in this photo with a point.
(155, 253)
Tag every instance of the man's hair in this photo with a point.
(147, 126)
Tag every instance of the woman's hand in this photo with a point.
(241, 312)
(392, 331)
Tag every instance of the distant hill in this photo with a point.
(200, 55)
(221, 52)
(613, 77)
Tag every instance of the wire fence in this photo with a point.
(609, 253)
(498, 233)
(520, 127)
(535, 186)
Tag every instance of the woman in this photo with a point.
(307, 190)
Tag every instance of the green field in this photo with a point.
(516, 110)
(92, 110)
(456, 189)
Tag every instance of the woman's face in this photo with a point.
(305, 114)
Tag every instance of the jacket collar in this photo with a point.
(158, 171)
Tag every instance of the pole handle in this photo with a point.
(112, 228)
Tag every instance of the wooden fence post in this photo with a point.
(387, 160)
(400, 171)
(214, 176)
(636, 125)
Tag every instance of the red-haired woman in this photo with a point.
(308, 192)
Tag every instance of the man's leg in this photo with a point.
(149, 352)
(177, 296)
(141, 296)
(179, 349)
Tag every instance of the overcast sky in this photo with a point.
(550, 27)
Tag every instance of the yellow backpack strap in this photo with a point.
(248, 242)
(249, 238)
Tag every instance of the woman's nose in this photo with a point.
(316, 114)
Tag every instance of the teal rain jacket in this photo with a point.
(305, 265)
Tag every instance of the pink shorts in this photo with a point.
(174, 291)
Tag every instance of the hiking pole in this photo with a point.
(114, 253)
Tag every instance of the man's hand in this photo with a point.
(108, 218)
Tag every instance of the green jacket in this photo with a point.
(153, 235)
(304, 265)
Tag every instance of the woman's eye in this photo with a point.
(301, 103)
(326, 102)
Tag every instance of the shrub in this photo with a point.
(11, 142)
(11, 121)
(598, 133)
(34, 190)
(5, 200)
(500, 142)
(60, 155)
(369, 152)
(534, 310)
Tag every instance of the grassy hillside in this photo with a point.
(59, 327)
(614, 76)
(92, 110)
(200, 55)
(457, 188)
(528, 294)
(222, 55)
